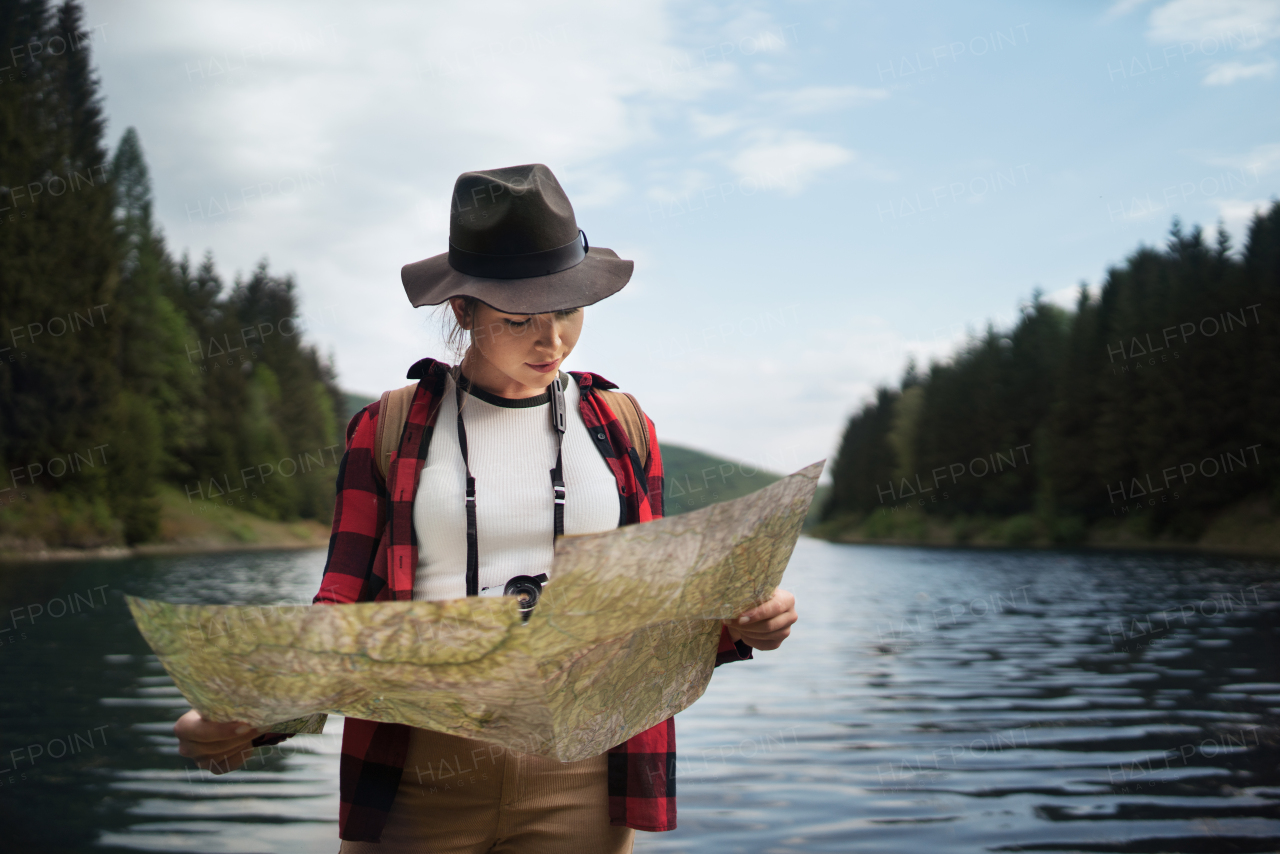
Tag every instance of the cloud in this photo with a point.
(1217, 28)
(1068, 298)
(1120, 8)
(1236, 214)
(675, 185)
(823, 99)
(751, 32)
(771, 107)
(774, 156)
(595, 185)
(1260, 160)
(791, 159)
(708, 126)
(1226, 73)
(1192, 20)
(389, 104)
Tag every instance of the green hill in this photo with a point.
(353, 402)
(696, 479)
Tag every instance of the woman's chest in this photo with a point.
(511, 453)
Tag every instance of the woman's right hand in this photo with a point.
(215, 747)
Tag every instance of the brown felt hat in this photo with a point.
(515, 245)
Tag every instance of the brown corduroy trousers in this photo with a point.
(465, 796)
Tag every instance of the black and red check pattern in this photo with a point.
(372, 557)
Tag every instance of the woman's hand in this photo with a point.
(766, 625)
(216, 747)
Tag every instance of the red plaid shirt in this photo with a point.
(373, 553)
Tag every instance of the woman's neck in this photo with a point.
(481, 373)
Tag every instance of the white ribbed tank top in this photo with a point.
(512, 449)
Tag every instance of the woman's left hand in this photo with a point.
(766, 625)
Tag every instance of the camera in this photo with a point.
(528, 588)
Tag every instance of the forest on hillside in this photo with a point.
(134, 376)
(1154, 405)
(128, 371)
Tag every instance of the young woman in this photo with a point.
(484, 478)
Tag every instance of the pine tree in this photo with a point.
(58, 252)
(864, 466)
(154, 413)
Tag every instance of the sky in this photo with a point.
(812, 192)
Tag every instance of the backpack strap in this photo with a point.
(393, 412)
(627, 410)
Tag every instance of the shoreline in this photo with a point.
(1224, 549)
(1248, 528)
(50, 555)
(215, 528)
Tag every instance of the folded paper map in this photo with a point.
(623, 637)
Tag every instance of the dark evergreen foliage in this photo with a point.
(865, 464)
(1158, 399)
(58, 270)
(110, 343)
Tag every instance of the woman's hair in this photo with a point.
(456, 338)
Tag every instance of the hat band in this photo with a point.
(526, 266)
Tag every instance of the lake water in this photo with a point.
(928, 700)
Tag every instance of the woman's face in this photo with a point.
(517, 355)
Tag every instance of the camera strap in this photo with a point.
(559, 422)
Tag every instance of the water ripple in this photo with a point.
(929, 700)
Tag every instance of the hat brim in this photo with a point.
(601, 273)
